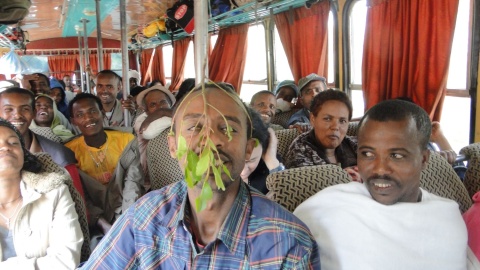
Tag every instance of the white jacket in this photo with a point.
(46, 232)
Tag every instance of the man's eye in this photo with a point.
(343, 121)
(397, 156)
(367, 154)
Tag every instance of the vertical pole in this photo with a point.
(85, 46)
(80, 50)
(99, 36)
(200, 10)
(126, 85)
(269, 47)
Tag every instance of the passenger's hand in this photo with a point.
(129, 104)
(24, 80)
(104, 225)
(449, 155)
(436, 132)
(353, 173)
(154, 116)
(270, 155)
(301, 127)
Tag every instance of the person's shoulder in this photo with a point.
(60, 153)
(430, 198)
(161, 206)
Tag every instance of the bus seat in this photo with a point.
(46, 132)
(285, 138)
(352, 129)
(291, 187)
(441, 179)
(283, 117)
(49, 165)
(472, 175)
(163, 169)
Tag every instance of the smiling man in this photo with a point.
(110, 160)
(388, 222)
(239, 229)
(47, 117)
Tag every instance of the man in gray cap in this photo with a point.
(309, 87)
(286, 94)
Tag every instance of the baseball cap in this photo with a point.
(309, 78)
(157, 87)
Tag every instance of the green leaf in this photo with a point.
(205, 195)
(227, 172)
(218, 178)
(257, 142)
(188, 178)
(203, 162)
(229, 132)
(181, 147)
(192, 160)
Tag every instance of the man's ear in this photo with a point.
(172, 146)
(249, 148)
(425, 158)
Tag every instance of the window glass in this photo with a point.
(357, 31)
(457, 74)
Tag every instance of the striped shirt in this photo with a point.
(155, 234)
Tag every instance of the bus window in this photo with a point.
(455, 119)
(255, 72)
(167, 63)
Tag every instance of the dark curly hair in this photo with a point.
(30, 162)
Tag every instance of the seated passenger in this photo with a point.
(286, 93)
(58, 94)
(39, 226)
(151, 100)
(265, 104)
(47, 116)
(238, 229)
(326, 142)
(17, 105)
(472, 219)
(109, 157)
(264, 159)
(388, 222)
(309, 87)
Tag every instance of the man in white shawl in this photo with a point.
(388, 222)
(151, 100)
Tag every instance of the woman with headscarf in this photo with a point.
(39, 226)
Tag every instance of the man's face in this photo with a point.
(310, 91)
(107, 87)
(265, 105)
(17, 109)
(390, 160)
(40, 86)
(286, 93)
(133, 82)
(56, 94)
(87, 117)
(155, 100)
(44, 108)
(67, 80)
(189, 121)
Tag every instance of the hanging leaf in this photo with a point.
(205, 195)
(181, 147)
(227, 172)
(218, 178)
(204, 162)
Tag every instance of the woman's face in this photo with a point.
(11, 153)
(330, 124)
(252, 163)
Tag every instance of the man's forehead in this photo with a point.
(106, 77)
(14, 98)
(44, 100)
(86, 103)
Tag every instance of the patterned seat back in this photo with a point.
(163, 169)
(472, 176)
(439, 178)
(285, 138)
(47, 133)
(283, 117)
(291, 187)
(352, 129)
(49, 165)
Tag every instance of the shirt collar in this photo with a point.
(234, 229)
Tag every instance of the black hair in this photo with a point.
(30, 162)
(110, 72)
(255, 96)
(20, 91)
(82, 96)
(43, 76)
(260, 131)
(137, 90)
(229, 89)
(329, 95)
(186, 86)
(400, 110)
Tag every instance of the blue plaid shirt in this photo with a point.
(257, 234)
